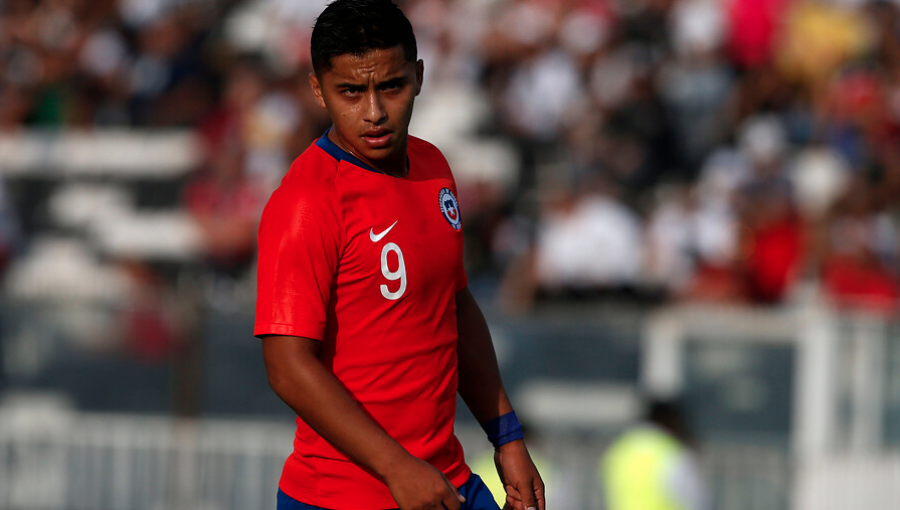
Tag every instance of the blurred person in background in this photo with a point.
(78, 63)
(691, 243)
(587, 244)
(258, 115)
(695, 82)
(10, 228)
(643, 95)
(225, 204)
(652, 466)
(10, 237)
(859, 266)
(149, 322)
(369, 335)
(654, 96)
(772, 239)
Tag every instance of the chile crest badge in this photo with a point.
(450, 208)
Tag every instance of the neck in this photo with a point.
(399, 170)
(395, 166)
(390, 167)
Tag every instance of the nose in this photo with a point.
(375, 112)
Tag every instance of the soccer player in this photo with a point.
(368, 328)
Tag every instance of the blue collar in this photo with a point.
(340, 154)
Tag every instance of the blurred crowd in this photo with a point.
(722, 150)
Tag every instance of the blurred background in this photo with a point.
(694, 200)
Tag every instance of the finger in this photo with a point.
(528, 497)
(452, 500)
(460, 499)
(451, 503)
(512, 492)
(539, 494)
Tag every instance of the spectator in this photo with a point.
(652, 465)
(226, 206)
(587, 243)
(773, 234)
(646, 96)
(862, 247)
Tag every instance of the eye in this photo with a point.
(393, 85)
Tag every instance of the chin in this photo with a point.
(380, 153)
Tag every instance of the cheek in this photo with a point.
(402, 109)
(345, 113)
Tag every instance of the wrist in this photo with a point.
(393, 464)
(512, 447)
(503, 429)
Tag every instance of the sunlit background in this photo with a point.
(688, 199)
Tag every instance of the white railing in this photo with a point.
(748, 477)
(837, 456)
(53, 459)
(62, 460)
(73, 461)
(845, 482)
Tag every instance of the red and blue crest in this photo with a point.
(450, 208)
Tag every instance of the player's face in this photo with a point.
(370, 101)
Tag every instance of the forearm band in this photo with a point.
(503, 429)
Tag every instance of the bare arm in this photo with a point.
(482, 389)
(479, 376)
(303, 383)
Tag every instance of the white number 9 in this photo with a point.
(399, 274)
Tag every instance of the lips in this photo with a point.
(377, 139)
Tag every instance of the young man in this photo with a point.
(367, 325)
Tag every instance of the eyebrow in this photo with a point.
(349, 85)
(396, 80)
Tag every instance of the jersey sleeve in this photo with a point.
(462, 280)
(437, 161)
(300, 238)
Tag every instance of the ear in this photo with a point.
(420, 75)
(316, 87)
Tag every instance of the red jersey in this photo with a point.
(370, 265)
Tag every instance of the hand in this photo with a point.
(417, 485)
(523, 484)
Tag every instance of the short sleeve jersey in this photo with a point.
(370, 265)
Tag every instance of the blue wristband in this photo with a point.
(503, 429)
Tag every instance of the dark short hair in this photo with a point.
(357, 26)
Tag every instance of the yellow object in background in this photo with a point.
(818, 38)
(636, 469)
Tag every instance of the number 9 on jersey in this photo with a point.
(399, 274)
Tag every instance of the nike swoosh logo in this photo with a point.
(377, 237)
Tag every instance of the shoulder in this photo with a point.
(418, 148)
(313, 172)
(307, 191)
(429, 160)
(312, 176)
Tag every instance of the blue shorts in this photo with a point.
(477, 495)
